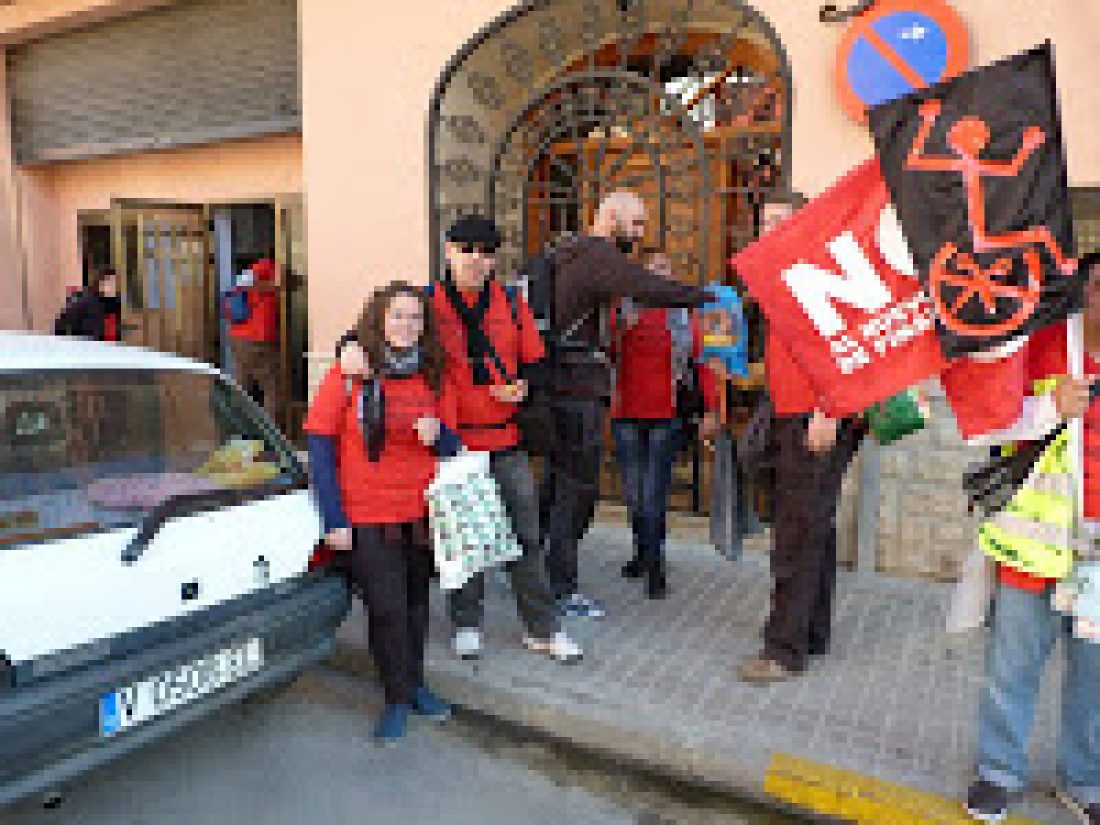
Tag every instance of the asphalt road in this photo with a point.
(305, 758)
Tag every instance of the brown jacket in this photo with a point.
(591, 275)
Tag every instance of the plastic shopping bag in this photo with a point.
(1079, 596)
(898, 416)
(973, 594)
(725, 526)
(471, 530)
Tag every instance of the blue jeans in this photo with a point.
(646, 450)
(1025, 628)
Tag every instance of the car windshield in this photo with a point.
(94, 449)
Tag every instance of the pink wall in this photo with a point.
(367, 74)
(228, 171)
(365, 129)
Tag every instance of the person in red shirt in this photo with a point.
(373, 445)
(654, 349)
(812, 454)
(254, 342)
(1025, 621)
(490, 338)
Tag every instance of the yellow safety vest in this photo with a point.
(1035, 532)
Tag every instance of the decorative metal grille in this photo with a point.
(558, 102)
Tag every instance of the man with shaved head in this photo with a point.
(592, 273)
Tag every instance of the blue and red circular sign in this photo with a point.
(897, 47)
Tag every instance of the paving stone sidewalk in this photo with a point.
(896, 700)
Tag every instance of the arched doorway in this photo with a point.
(557, 102)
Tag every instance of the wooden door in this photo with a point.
(161, 254)
(290, 254)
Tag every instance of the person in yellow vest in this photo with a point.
(1046, 535)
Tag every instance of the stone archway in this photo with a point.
(557, 101)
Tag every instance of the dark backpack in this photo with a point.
(70, 321)
(538, 277)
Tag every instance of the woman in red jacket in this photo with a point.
(373, 446)
(654, 350)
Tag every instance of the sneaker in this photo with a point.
(764, 671)
(558, 647)
(467, 643)
(1088, 814)
(426, 703)
(987, 802)
(392, 724)
(633, 569)
(582, 607)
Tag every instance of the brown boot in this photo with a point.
(764, 671)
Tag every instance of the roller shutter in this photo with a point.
(196, 72)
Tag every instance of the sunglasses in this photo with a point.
(483, 249)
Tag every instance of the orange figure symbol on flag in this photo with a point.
(955, 277)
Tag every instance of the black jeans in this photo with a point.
(537, 610)
(570, 486)
(391, 567)
(803, 552)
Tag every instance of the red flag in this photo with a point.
(838, 284)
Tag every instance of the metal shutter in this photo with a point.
(197, 72)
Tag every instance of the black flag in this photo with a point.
(978, 175)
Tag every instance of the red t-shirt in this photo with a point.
(791, 391)
(263, 318)
(483, 422)
(643, 384)
(390, 490)
(110, 327)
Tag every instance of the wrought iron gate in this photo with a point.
(558, 102)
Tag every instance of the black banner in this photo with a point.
(977, 172)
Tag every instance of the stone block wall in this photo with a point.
(923, 528)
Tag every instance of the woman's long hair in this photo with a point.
(370, 331)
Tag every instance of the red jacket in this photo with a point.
(263, 308)
(643, 354)
(390, 490)
(484, 423)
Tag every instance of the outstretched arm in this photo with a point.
(929, 111)
(1033, 139)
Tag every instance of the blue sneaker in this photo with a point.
(431, 706)
(392, 725)
(582, 607)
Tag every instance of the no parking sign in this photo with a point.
(896, 47)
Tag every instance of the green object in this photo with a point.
(896, 417)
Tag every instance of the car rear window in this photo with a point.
(93, 450)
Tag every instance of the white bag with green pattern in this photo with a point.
(471, 530)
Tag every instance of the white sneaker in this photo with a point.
(467, 643)
(558, 647)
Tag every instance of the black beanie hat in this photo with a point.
(474, 229)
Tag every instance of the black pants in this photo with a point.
(803, 552)
(570, 486)
(391, 567)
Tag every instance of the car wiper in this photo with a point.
(188, 504)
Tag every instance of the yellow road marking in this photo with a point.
(855, 797)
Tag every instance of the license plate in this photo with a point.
(156, 695)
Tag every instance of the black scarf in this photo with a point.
(478, 347)
(372, 400)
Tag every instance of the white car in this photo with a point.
(158, 554)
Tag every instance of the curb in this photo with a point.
(755, 773)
